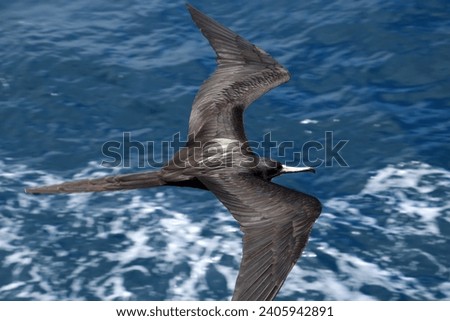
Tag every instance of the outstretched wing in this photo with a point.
(276, 222)
(244, 73)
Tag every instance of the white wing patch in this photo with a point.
(219, 151)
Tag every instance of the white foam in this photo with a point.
(140, 232)
(308, 121)
(408, 188)
(137, 249)
(406, 176)
(23, 257)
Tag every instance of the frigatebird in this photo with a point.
(276, 221)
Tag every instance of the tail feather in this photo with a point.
(108, 183)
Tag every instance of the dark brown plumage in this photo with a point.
(276, 221)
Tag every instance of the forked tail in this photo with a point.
(108, 183)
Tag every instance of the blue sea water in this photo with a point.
(76, 74)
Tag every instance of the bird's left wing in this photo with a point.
(244, 73)
(276, 222)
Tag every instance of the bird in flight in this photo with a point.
(276, 221)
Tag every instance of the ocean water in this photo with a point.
(75, 75)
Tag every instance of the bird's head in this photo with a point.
(269, 168)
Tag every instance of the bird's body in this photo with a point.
(276, 221)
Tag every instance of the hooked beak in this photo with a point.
(291, 169)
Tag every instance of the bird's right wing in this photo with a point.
(276, 222)
(244, 73)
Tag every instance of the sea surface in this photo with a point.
(75, 75)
